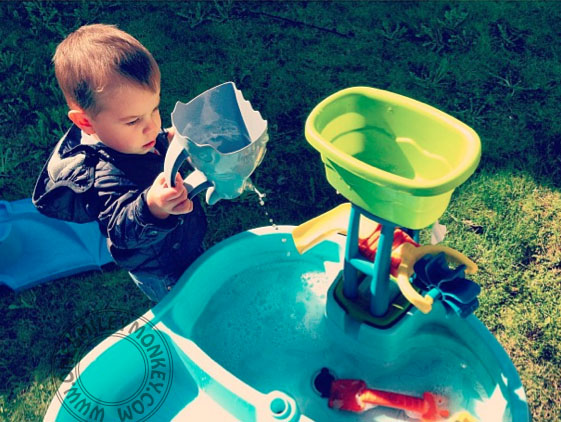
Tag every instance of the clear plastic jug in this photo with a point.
(224, 139)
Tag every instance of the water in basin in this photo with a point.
(267, 325)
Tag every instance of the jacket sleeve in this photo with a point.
(125, 215)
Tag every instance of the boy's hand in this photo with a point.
(164, 200)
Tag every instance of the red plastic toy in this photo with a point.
(354, 396)
(368, 246)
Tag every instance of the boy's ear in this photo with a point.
(80, 119)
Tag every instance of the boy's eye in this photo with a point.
(133, 122)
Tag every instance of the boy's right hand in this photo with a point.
(164, 200)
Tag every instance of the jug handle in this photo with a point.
(195, 183)
(175, 156)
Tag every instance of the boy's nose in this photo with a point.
(153, 127)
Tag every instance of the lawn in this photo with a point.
(494, 65)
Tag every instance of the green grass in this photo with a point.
(494, 65)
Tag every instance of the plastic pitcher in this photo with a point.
(224, 139)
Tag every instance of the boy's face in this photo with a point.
(129, 120)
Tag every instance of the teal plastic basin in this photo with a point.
(252, 322)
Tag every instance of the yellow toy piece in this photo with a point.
(409, 255)
(313, 231)
(463, 416)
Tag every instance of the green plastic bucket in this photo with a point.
(396, 157)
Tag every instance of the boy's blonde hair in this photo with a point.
(95, 56)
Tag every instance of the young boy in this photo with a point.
(108, 166)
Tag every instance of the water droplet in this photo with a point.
(283, 240)
(260, 197)
(259, 194)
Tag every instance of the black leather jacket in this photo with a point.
(82, 183)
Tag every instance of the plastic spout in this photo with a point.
(249, 186)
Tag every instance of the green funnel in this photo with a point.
(395, 157)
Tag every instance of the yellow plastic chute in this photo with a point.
(313, 231)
